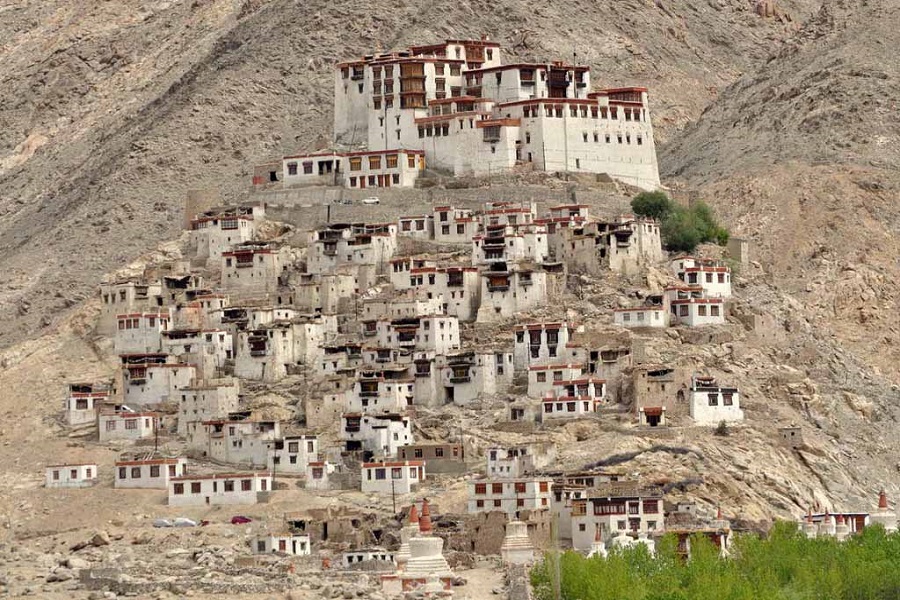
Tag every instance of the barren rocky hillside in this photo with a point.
(111, 111)
(803, 157)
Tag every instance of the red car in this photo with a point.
(239, 520)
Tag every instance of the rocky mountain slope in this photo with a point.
(803, 157)
(110, 112)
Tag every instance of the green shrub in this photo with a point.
(682, 228)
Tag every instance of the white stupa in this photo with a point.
(622, 540)
(646, 541)
(406, 533)
(841, 530)
(597, 547)
(516, 548)
(884, 515)
(828, 526)
(426, 559)
(809, 528)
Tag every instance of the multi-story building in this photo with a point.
(126, 297)
(242, 442)
(84, 400)
(399, 477)
(351, 243)
(140, 333)
(540, 343)
(509, 495)
(207, 400)
(293, 454)
(215, 231)
(378, 435)
(148, 380)
(396, 167)
(254, 268)
(714, 277)
(616, 507)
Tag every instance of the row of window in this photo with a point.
(727, 399)
(73, 474)
(720, 277)
(520, 503)
(228, 486)
(130, 424)
(569, 407)
(375, 181)
(155, 471)
(135, 323)
(702, 310)
(396, 473)
(640, 316)
(597, 112)
(519, 487)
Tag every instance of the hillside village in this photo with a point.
(419, 368)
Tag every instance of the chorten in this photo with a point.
(622, 540)
(646, 541)
(884, 515)
(809, 528)
(516, 548)
(842, 530)
(597, 547)
(407, 532)
(426, 559)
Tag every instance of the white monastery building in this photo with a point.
(472, 115)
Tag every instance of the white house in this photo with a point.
(355, 557)
(293, 453)
(140, 333)
(148, 473)
(711, 404)
(267, 352)
(418, 227)
(509, 495)
(467, 376)
(215, 231)
(219, 489)
(207, 400)
(83, 402)
(127, 425)
(397, 167)
(542, 378)
(456, 289)
(254, 267)
(125, 297)
(379, 434)
(696, 312)
(537, 343)
(401, 477)
(318, 475)
(293, 544)
(238, 442)
(70, 476)
(714, 277)
(613, 508)
(518, 461)
(207, 349)
(148, 380)
(641, 316)
(455, 225)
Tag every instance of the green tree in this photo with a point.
(655, 205)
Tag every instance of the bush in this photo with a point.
(722, 429)
(682, 228)
(784, 566)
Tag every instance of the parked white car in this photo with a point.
(371, 200)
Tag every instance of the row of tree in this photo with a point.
(784, 565)
(682, 228)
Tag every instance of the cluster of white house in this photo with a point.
(456, 107)
(698, 299)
